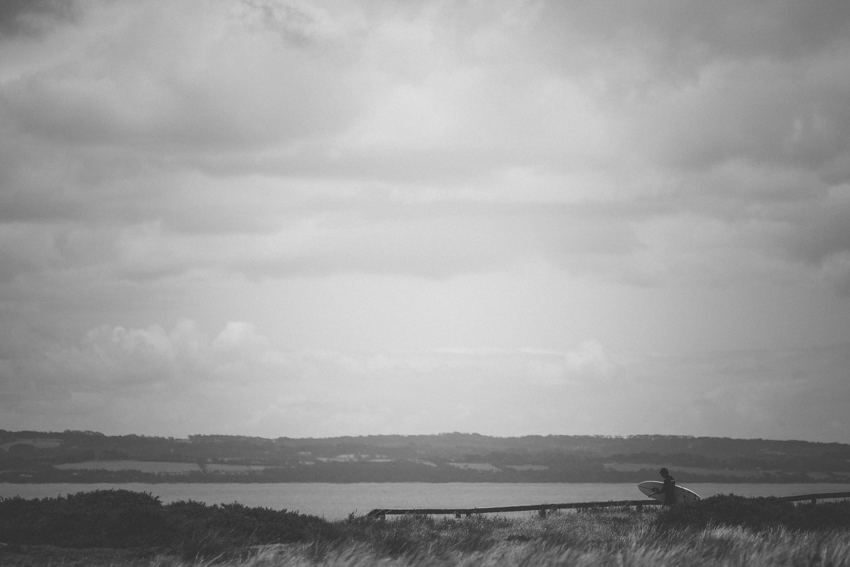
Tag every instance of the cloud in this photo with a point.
(240, 380)
(764, 111)
(32, 17)
(485, 176)
(589, 357)
(231, 87)
(761, 392)
(683, 37)
(529, 152)
(827, 231)
(180, 376)
(117, 378)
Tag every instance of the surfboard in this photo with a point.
(682, 494)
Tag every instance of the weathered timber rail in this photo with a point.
(542, 509)
(815, 497)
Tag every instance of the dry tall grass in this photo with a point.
(717, 546)
(607, 538)
(621, 538)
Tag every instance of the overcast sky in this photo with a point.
(509, 217)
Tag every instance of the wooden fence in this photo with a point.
(815, 497)
(542, 509)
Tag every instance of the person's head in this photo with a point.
(665, 473)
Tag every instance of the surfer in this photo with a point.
(668, 488)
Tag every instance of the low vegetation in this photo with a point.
(759, 514)
(123, 528)
(126, 519)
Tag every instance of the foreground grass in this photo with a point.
(722, 531)
(717, 546)
(601, 538)
(622, 539)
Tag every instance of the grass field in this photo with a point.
(600, 540)
(727, 531)
(635, 467)
(142, 466)
(593, 539)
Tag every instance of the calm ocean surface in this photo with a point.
(334, 501)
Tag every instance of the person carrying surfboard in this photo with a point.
(668, 488)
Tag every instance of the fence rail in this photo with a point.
(815, 497)
(544, 508)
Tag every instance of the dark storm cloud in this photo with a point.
(230, 90)
(682, 36)
(111, 139)
(828, 232)
(30, 17)
(823, 240)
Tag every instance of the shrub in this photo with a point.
(207, 531)
(123, 518)
(103, 518)
(756, 513)
(416, 535)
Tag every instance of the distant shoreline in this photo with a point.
(85, 457)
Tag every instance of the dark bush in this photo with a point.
(205, 530)
(123, 518)
(413, 535)
(756, 513)
(103, 518)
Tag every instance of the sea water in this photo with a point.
(336, 501)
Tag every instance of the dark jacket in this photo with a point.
(668, 489)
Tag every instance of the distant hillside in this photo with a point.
(85, 456)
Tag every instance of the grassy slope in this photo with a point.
(718, 546)
(586, 541)
(720, 531)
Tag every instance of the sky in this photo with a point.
(349, 217)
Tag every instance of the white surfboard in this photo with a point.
(682, 494)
